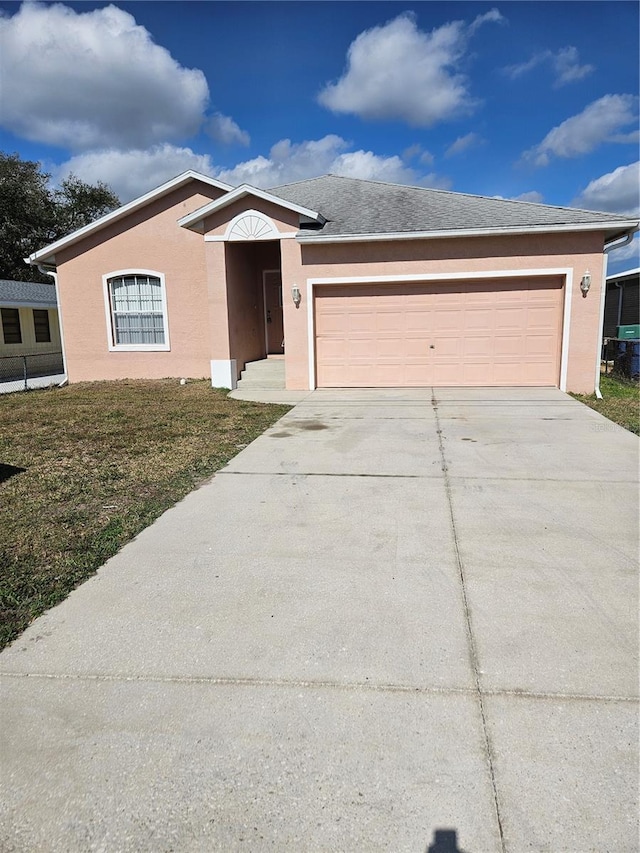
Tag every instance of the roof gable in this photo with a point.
(195, 220)
(47, 254)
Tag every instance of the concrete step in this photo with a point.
(262, 374)
(247, 385)
(264, 362)
(266, 373)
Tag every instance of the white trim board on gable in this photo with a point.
(193, 220)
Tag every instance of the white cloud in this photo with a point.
(417, 151)
(223, 129)
(288, 162)
(581, 133)
(493, 16)
(397, 71)
(133, 173)
(533, 196)
(463, 143)
(615, 192)
(565, 63)
(93, 79)
(515, 71)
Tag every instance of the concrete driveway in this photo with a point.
(391, 622)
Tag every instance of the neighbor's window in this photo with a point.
(137, 311)
(11, 325)
(41, 326)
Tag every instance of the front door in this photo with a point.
(274, 328)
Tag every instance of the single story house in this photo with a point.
(29, 317)
(356, 283)
(622, 302)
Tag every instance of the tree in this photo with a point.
(32, 214)
(77, 204)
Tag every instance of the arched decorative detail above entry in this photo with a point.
(251, 225)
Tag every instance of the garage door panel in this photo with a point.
(510, 319)
(472, 333)
(477, 347)
(447, 348)
(507, 346)
(479, 318)
(540, 317)
(540, 345)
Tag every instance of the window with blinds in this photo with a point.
(41, 326)
(137, 310)
(11, 325)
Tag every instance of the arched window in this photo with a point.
(137, 310)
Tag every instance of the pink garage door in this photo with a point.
(503, 332)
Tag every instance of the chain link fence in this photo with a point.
(21, 372)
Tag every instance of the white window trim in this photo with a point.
(471, 277)
(112, 345)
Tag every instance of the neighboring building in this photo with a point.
(358, 284)
(622, 302)
(29, 319)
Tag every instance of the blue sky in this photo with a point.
(530, 100)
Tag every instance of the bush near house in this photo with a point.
(83, 469)
(620, 402)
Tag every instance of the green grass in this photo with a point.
(83, 469)
(620, 402)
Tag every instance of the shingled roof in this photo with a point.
(353, 206)
(14, 294)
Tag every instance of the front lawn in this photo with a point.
(620, 402)
(83, 469)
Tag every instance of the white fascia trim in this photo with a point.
(112, 346)
(464, 232)
(48, 253)
(240, 192)
(470, 277)
(222, 238)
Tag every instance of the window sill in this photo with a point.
(139, 348)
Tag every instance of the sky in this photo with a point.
(536, 101)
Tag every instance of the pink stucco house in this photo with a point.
(355, 283)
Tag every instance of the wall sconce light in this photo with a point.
(296, 295)
(585, 284)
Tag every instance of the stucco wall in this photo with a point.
(579, 252)
(147, 239)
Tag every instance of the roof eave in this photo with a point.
(620, 229)
(26, 303)
(624, 274)
(47, 254)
